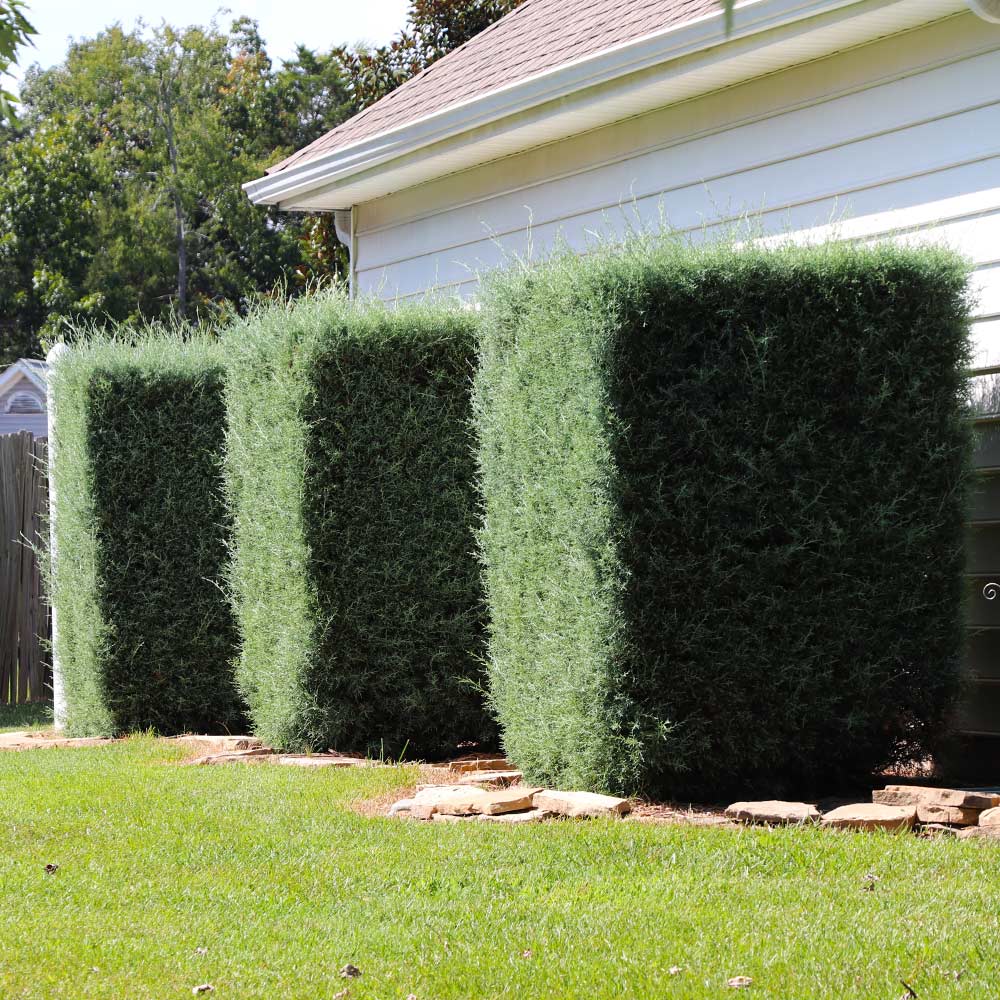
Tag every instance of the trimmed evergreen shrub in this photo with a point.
(145, 638)
(724, 502)
(351, 472)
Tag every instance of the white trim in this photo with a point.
(560, 101)
(13, 374)
(353, 252)
(58, 687)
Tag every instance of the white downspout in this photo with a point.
(58, 691)
(988, 10)
(344, 222)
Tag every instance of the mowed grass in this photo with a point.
(269, 871)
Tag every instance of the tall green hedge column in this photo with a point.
(724, 498)
(145, 635)
(351, 470)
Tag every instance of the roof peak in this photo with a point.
(32, 369)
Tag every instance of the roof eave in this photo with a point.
(17, 371)
(573, 95)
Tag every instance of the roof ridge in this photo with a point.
(33, 369)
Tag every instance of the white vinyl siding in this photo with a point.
(900, 137)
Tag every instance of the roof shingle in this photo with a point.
(537, 36)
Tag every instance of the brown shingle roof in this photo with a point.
(538, 36)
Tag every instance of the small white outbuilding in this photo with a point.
(23, 399)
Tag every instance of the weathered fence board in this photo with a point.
(24, 613)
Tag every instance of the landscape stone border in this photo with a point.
(895, 807)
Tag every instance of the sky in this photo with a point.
(320, 24)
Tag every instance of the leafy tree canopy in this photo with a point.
(15, 31)
(120, 183)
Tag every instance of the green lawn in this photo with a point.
(268, 870)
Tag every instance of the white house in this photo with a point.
(22, 398)
(573, 116)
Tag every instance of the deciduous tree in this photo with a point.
(15, 30)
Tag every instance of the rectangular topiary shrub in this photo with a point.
(351, 470)
(145, 637)
(724, 500)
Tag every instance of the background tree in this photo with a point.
(47, 235)
(120, 186)
(15, 31)
(433, 29)
(120, 183)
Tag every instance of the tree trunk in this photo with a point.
(175, 194)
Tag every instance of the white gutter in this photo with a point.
(556, 84)
(562, 100)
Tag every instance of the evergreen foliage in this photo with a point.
(351, 473)
(724, 502)
(145, 635)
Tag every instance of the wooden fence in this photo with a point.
(24, 613)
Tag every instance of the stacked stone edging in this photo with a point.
(490, 801)
(895, 807)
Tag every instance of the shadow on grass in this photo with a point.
(36, 715)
